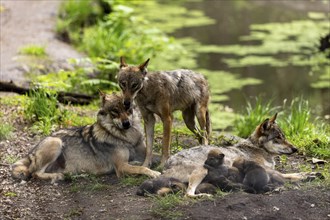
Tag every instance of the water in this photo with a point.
(233, 20)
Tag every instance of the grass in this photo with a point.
(5, 131)
(164, 207)
(93, 183)
(254, 114)
(33, 50)
(43, 110)
(130, 180)
(10, 159)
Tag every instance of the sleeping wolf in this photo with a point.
(266, 142)
(106, 146)
(162, 93)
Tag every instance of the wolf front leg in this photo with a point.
(149, 128)
(125, 168)
(167, 119)
(195, 179)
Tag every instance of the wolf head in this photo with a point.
(215, 158)
(113, 112)
(270, 136)
(130, 80)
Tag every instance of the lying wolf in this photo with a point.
(266, 142)
(108, 145)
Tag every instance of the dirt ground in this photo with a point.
(107, 197)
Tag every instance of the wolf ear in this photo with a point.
(272, 119)
(102, 96)
(122, 63)
(221, 156)
(264, 126)
(143, 67)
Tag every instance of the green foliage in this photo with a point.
(74, 15)
(33, 50)
(42, 110)
(254, 114)
(42, 105)
(5, 131)
(79, 79)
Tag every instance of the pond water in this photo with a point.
(279, 80)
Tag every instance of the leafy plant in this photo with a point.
(42, 110)
(34, 50)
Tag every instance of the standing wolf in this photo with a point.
(106, 146)
(162, 93)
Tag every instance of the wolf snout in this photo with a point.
(126, 124)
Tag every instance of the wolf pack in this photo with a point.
(116, 142)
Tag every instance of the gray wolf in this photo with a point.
(266, 142)
(162, 93)
(108, 145)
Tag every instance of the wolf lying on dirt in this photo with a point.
(266, 142)
(162, 93)
(106, 146)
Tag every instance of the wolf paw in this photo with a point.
(199, 195)
(313, 176)
(57, 177)
(155, 174)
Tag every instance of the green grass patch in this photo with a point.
(164, 207)
(254, 114)
(44, 111)
(83, 182)
(10, 159)
(5, 131)
(132, 180)
(10, 194)
(33, 50)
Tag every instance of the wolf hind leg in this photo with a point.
(46, 154)
(188, 116)
(202, 114)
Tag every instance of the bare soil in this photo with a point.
(107, 197)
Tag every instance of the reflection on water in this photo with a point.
(233, 20)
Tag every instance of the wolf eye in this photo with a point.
(135, 86)
(122, 84)
(102, 112)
